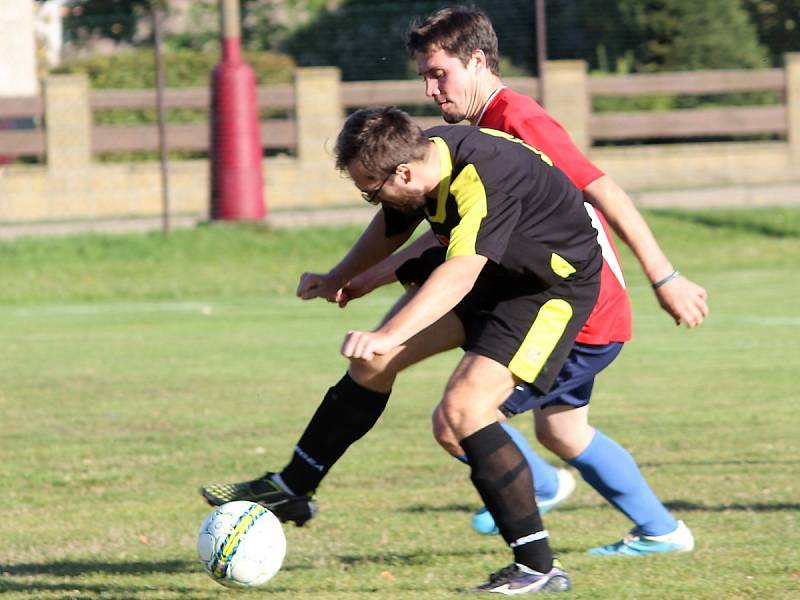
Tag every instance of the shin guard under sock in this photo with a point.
(503, 479)
(347, 412)
(545, 475)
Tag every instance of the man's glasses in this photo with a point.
(372, 197)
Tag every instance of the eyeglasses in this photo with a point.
(372, 197)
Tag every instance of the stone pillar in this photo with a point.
(792, 62)
(319, 113)
(17, 49)
(68, 123)
(566, 97)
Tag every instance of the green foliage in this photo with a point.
(684, 35)
(184, 68)
(113, 19)
(366, 38)
(778, 25)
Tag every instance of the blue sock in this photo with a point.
(611, 470)
(545, 475)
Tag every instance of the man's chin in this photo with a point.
(453, 118)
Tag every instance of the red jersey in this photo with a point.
(524, 118)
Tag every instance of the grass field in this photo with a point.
(135, 368)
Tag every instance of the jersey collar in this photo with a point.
(489, 100)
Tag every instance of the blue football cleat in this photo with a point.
(635, 544)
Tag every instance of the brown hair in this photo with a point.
(458, 30)
(380, 137)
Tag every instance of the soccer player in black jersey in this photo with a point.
(514, 279)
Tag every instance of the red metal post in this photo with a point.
(236, 177)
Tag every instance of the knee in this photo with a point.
(564, 442)
(374, 374)
(549, 439)
(443, 433)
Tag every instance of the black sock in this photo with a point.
(347, 412)
(505, 483)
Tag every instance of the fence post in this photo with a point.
(319, 112)
(69, 123)
(566, 97)
(792, 66)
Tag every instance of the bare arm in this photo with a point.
(370, 248)
(445, 288)
(383, 272)
(683, 299)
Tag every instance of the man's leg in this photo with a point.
(550, 485)
(348, 411)
(499, 472)
(613, 473)
(545, 476)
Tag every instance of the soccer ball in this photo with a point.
(241, 544)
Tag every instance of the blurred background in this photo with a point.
(662, 94)
(364, 38)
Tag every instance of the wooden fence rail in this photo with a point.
(281, 133)
(758, 163)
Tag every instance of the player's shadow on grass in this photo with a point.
(460, 508)
(112, 591)
(77, 568)
(430, 508)
(686, 506)
(393, 559)
(74, 570)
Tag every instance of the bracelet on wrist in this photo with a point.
(666, 279)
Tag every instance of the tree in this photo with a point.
(693, 34)
(116, 20)
(778, 25)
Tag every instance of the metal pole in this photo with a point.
(231, 27)
(158, 33)
(541, 47)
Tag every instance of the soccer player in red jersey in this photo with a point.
(455, 50)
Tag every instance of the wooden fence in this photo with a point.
(280, 133)
(754, 157)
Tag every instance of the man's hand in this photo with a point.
(357, 287)
(319, 285)
(366, 344)
(684, 300)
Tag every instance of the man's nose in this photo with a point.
(431, 87)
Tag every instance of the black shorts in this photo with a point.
(523, 322)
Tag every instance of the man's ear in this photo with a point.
(478, 57)
(403, 171)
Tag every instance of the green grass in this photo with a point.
(134, 368)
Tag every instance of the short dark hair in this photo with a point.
(380, 137)
(458, 30)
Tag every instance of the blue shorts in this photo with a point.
(573, 384)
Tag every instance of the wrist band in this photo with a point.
(666, 279)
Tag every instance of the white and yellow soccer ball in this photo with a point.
(241, 544)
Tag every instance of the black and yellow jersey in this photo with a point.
(504, 200)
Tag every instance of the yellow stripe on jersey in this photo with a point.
(470, 196)
(511, 138)
(560, 266)
(542, 338)
(446, 170)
